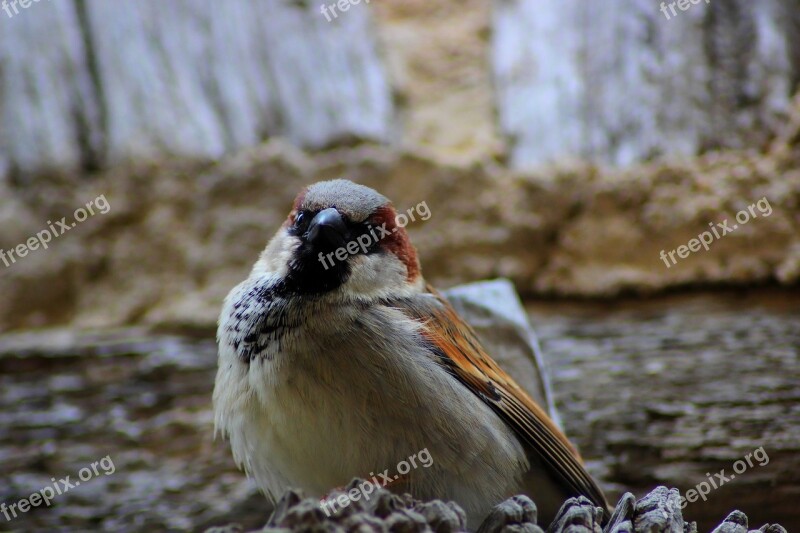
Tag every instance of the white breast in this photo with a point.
(351, 392)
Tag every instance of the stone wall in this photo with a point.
(178, 235)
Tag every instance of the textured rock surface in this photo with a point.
(657, 511)
(682, 389)
(653, 393)
(179, 235)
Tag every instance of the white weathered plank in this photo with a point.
(184, 77)
(49, 115)
(617, 82)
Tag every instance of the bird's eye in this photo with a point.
(298, 219)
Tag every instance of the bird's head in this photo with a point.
(341, 237)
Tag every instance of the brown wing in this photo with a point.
(457, 348)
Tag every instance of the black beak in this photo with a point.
(327, 230)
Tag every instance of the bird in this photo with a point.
(337, 360)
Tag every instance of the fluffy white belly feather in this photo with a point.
(287, 432)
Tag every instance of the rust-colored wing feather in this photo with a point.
(457, 348)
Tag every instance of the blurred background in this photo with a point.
(563, 145)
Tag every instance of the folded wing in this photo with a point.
(455, 346)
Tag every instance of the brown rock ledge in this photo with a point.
(180, 234)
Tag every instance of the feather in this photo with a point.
(455, 346)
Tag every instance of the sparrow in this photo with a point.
(337, 361)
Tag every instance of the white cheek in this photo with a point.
(376, 273)
(276, 256)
